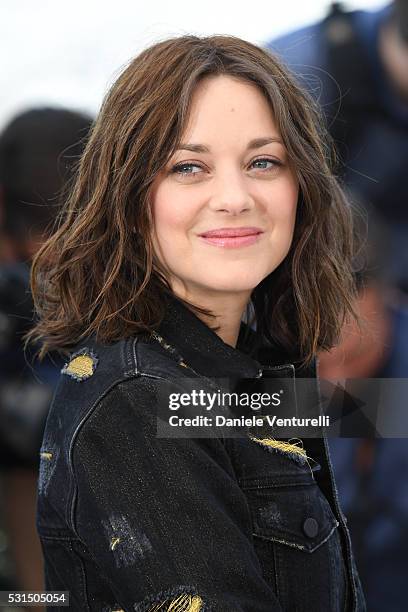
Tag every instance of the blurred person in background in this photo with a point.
(371, 472)
(38, 149)
(356, 65)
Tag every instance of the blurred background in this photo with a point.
(58, 60)
(68, 53)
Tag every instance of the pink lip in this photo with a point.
(227, 232)
(229, 237)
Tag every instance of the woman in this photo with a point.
(205, 190)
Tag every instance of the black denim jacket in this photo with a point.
(130, 521)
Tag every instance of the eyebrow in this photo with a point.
(256, 143)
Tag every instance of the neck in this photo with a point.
(228, 320)
(228, 310)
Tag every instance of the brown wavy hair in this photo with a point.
(97, 274)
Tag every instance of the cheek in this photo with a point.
(290, 197)
(171, 213)
(282, 210)
(172, 220)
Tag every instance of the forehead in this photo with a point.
(223, 104)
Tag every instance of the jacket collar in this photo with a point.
(204, 351)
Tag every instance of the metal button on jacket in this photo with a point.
(311, 527)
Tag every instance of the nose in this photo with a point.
(231, 194)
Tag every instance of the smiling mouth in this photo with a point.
(232, 238)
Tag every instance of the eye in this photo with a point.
(265, 163)
(186, 168)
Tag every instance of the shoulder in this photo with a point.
(90, 372)
(93, 368)
(102, 432)
(99, 377)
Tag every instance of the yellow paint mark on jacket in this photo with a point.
(81, 366)
(182, 603)
(45, 455)
(114, 543)
(280, 445)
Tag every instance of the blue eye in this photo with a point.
(185, 168)
(262, 161)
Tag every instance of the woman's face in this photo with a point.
(224, 207)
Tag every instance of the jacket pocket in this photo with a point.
(296, 538)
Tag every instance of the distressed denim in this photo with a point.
(130, 521)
